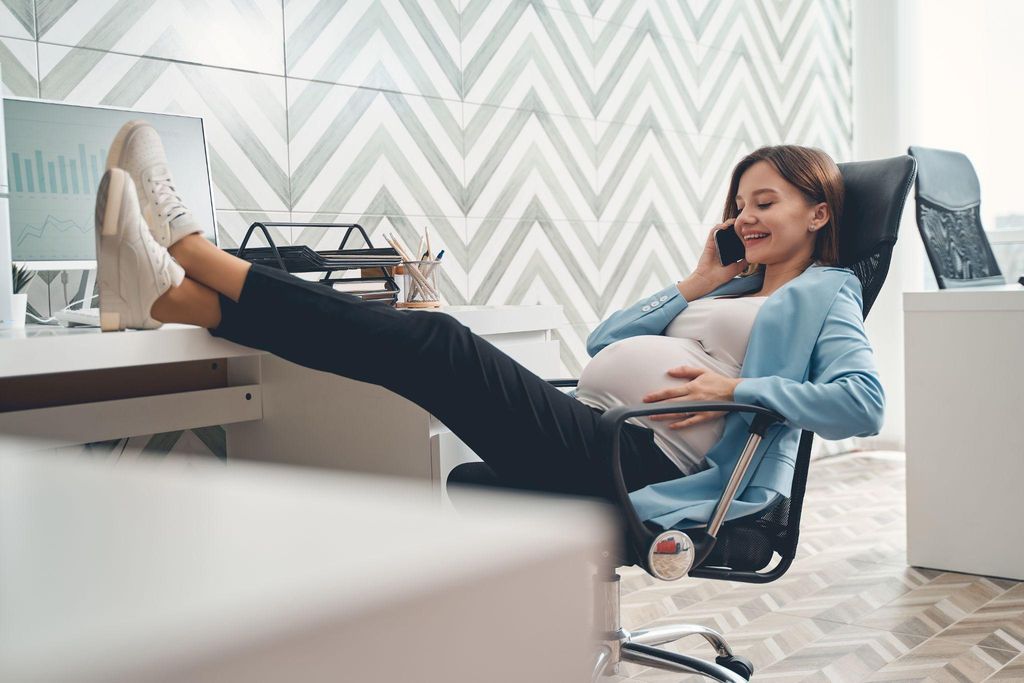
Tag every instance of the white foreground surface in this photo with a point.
(263, 573)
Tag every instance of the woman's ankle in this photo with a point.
(210, 267)
(185, 249)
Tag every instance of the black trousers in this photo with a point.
(531, 434)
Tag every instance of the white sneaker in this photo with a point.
(137, 149)
(133, 270)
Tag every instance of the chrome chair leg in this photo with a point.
(618, 644)
(672, 661)
(604, 659)
(659, 635)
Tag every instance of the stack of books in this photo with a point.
(369, 288)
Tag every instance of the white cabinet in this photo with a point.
(965, 430)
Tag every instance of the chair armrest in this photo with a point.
(610, 427)
(568, 382)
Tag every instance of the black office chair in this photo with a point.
(949, 219)
(741, 549)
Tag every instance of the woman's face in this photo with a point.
(775, 217)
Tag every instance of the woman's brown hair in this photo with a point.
(816, 176)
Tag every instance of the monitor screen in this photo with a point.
(56, 155)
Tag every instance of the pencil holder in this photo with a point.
(419, 284)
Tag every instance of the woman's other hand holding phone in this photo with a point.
(710, 273)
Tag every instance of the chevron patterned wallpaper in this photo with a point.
(562, 151)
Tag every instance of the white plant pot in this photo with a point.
(19, 306)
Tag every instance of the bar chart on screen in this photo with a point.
(56, 189)
(57, 174)
(53, 174)
(53, 191)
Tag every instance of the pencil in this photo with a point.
(419, 278)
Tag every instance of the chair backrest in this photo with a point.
(875, 193)
(949, 219)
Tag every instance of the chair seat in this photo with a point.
(743, 545)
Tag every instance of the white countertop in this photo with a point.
(43, 349)
(110, 573)
(998, 298)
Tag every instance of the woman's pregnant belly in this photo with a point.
(626, 371)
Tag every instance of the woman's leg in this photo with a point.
(529, 432)
(209, 272)
(189, 302)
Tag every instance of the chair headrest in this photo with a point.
(875, 192)
(946, 178)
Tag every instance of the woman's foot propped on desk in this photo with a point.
(133, 270)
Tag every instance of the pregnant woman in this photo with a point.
(784, 331)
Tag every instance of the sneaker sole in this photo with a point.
(112, 192)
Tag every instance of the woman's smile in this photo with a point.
(754, 240)
(754, 237)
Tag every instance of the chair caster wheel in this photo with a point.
(738, 665)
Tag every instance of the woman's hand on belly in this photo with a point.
(704, 385)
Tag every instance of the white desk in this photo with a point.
(272, 410)
(256, 573)
(965, 429)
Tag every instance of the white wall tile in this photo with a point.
(518, 160)
(643, 75)
(408, 47)
(19, 67)
(245, 34)
(244, 114)
(16, 19)
(535, 260)
(357, 150)
(529, 56)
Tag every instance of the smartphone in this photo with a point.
(730, 246)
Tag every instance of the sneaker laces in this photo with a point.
(168, 203)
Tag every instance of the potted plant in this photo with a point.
(20, 277)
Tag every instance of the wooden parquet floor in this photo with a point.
(850, 609)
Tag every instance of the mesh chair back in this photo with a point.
(949, 219)
(875, 195)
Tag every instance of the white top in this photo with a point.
(708, 333)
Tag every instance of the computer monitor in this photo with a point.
(56, 155)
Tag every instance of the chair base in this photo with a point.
(618, 644)
(653, 657)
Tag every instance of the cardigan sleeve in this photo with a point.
(650, 315)
(843, 396)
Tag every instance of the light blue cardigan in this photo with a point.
(808, 359)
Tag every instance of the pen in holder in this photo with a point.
(419, 286)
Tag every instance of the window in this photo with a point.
(971, 94)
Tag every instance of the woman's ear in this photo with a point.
(821, 215)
